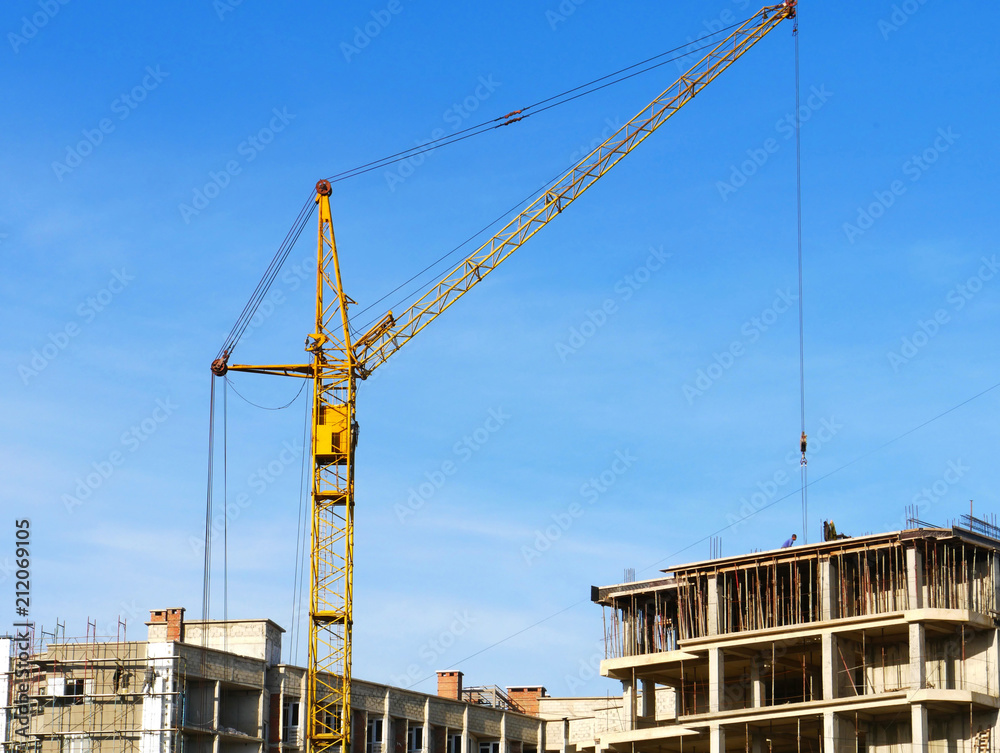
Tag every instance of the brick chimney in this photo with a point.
(174, 619)
(450, 684)
(526, 697)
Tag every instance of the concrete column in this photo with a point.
(827, 595)
(829, 732)
(427, 728)
(716, 675)
(917, 656)
(717, 739)
(918, 733)
(216, 702)
(995, 573)
(387, 726)
(647, 706)
(503, 733)
(564, 745)
(466, 744)
(628, 703)
(830, 658)
(915, 578)
(713, 605)
(756, 742)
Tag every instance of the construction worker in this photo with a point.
(790, 542)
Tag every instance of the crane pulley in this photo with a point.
(338, 361)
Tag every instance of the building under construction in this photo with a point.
(884, 642)
(220, 687)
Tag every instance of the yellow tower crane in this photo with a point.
(338, 361)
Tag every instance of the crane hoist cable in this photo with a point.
(804, 465)
(267, 279)
(520, 114)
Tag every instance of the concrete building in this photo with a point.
(885, 642)
(220, 687)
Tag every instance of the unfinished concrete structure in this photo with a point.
(220, 687)
(879, 643)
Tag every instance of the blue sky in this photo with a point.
(648, 335)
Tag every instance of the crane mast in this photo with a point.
(337, 363)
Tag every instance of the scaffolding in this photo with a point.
(86, 694)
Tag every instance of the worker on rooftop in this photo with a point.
(789, 542)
